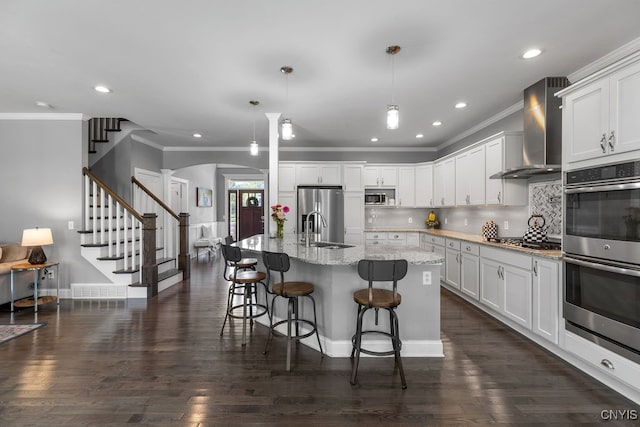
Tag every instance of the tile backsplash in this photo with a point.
(545, 198)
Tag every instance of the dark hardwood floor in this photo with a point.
(163, 363)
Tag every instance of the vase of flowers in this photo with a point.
(278, 213)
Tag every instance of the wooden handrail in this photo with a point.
(154, 197)
(109, 191)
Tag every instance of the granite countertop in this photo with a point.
(347, 256)
(474, 238)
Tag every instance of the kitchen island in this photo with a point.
(333, 272)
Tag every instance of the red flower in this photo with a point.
(285, 209)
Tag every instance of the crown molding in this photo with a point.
(610, 58)
(480, 126)
(44, 116)
(309, 149)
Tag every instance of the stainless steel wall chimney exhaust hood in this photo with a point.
(542, 148)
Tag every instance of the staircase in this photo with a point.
(99, 129)
(121, 244)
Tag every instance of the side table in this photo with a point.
(36, 268)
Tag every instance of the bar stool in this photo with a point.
(279, 262)
(244, 280)
(379, 271)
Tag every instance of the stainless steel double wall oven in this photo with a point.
(602, 256)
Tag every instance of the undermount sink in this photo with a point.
(329, 245)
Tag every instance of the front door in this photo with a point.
(250, 213)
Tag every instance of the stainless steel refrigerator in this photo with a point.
(329, 201)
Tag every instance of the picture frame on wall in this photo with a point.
(204, 197)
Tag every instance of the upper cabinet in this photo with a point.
(444, 182)
(318, 174)
(600, 117)
(406, 193)
(352, 175)
(424, 186)
(286, 177)
(380, 176)
(470, 177)
(504, 151)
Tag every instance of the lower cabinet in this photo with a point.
(436, 245)
(546, 296)
(470, 270)
(517, 295)
(491, 284)
(452, 263)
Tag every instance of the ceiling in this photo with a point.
(176, 68)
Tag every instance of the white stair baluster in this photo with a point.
(118, 209)
(102, 217)
(110, 222)
(94, 202)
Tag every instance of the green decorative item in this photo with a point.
(432, 221)
(280, 229)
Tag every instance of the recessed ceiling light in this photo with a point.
(374, 139)
(531, 53)
(197, 135)
(102, 89)
(419, 136)
(461, 105)
(436, 123)
(43, 104)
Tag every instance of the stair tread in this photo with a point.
(162, 276)
(98, 231)
(116, 258)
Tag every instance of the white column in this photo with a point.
(274, 159)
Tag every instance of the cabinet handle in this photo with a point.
(612, 141)
(603, 141)
(468, 248)
(499, 195)
(442, 201)
(457, 259)
(535, 268)
(499, 272)
(430, 202)
(607, 364)
(382, 181)
(375, 242)
(377, 181)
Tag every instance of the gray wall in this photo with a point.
(512, 122)
(181, 159)
(41, 171)
(221, 192)
(199, 176)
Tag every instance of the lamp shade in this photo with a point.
(37, 237)
(393, 116)
(287, 129)
(253, 148)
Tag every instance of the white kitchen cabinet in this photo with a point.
(452, 263)
(444, 179)
(504, 151)
(406, 192)
(413, 239)
(505, 283)
(424, 186)
(380, 176)
(397, 239)
(352, 177)
(374, 238)
(287, 198)
(353, 217)
(546, 296)
(470, 269)
(318, 174)
(286, 177)
(600, 118)
(470, 177)
(434, 244)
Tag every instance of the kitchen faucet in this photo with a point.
(317, 213)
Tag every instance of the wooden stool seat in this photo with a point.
(380, 298)
(249, 276)
(293, 289)
(245, 263)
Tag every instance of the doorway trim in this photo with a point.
(263, 176)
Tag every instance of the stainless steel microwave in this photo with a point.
(375, 199)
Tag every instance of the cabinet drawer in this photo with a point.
(427, 238)
(453, 244)
(604, 360)
(397, 236)
(470, 248)
(505, 256)
(375, 236)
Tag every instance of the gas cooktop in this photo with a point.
(518, 242)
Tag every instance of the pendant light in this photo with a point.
(393, 111)
(287, 126)
(253, 147)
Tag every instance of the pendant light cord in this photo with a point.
(393, 78)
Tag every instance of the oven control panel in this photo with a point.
(604, 173)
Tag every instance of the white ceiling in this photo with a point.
(192, 66)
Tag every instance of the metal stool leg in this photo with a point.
(289, 319)
(229, 302)
(315, 324)
(273, 313)
(358, 343)
(396, 345)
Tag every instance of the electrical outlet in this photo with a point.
(50, 274)
(70, 225)
(446, 221)
(410, 220)
(466, 222)
(426, 277)
(506, 225)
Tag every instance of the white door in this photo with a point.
(424, 186)
(546, 297)
(452, 271)
(517, 295)
(624, 134)
(494, 161)
(470, 275)
(406, 187)
(491, 284)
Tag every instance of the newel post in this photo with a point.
(149, 266)
(184, 261)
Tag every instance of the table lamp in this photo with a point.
(36, 238)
